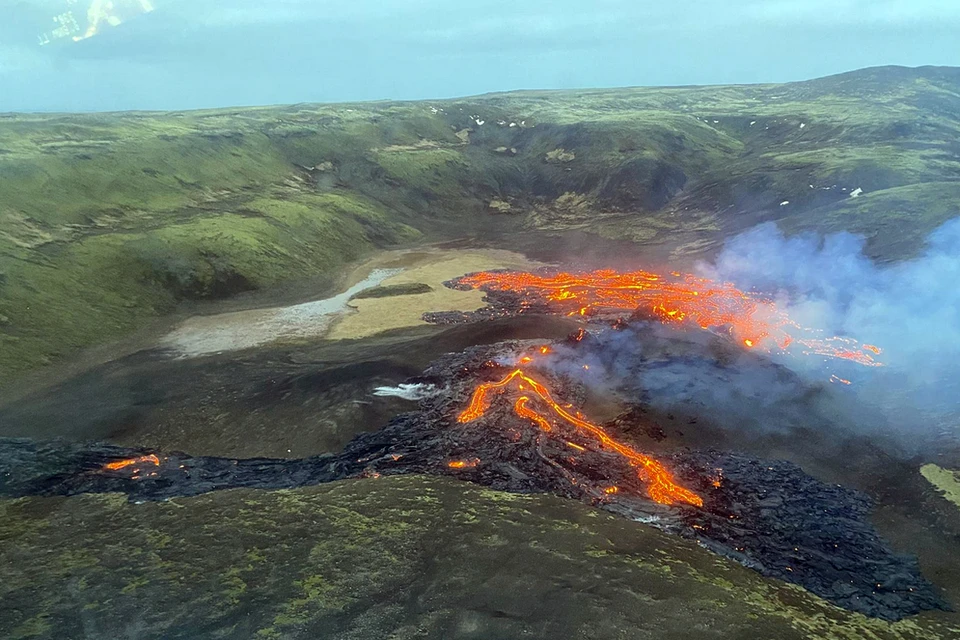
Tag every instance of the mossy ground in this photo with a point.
(109, 220)
(391, 291)
(394, 557)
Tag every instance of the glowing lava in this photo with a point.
(661, 485)
(680, 299)
(463, 464)
(131, 462)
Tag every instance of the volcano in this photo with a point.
(518, 429)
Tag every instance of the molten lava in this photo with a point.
(463, 464)
(680, 299)
(131, 462)
(661, 485)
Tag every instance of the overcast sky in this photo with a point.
(210, 53)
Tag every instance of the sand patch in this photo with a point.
(339, 317)
(432, 267)
(204, 335)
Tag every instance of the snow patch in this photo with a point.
(647, 519)
(407, 391)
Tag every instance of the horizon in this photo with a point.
(173, 55)
(479, 95)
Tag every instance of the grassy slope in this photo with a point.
(107, 220)
(402, 557)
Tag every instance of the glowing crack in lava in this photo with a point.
(680, 299)
(660, 483)
(120, 465)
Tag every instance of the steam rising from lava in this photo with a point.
(794, 302)
(912, 308)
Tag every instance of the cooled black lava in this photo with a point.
(767, 515)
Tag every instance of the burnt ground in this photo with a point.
(768, 515)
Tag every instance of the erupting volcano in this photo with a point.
(749, 318)
(662, 487)
(518, 427)
(511, 416)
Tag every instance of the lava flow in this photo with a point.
(131, 462)
(750, 318)
(661, 485)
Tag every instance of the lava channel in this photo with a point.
(660, 483)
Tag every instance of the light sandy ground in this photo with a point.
(946, 480)
(335, 317)
(432, 267)
(202, 335)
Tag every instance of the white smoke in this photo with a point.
(911, 309)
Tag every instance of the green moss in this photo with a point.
(431, 171)
(946, 481)
(108, 220)
(374, 558)
(408, 289)
(36, 627)
(895, 222)
(103, 286)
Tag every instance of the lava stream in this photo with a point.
(751, 319)
(661, 485)
(131, 462)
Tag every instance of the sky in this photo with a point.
(215, 53)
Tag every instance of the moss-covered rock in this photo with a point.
(402, 557)
(946, 481)
(390, 291)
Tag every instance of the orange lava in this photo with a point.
(463, 464)
(660, 483)
(129, 462)
(681, 299)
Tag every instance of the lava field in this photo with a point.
(767, 515)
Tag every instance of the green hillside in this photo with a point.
(109, 220)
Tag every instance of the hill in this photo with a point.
(109, 220)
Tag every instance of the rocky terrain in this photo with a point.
(276, 509)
